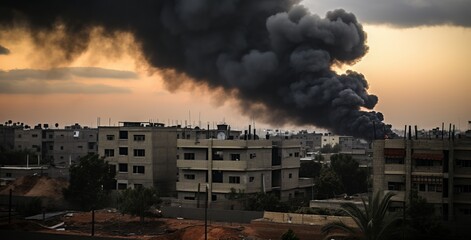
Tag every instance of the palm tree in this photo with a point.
(374, 221)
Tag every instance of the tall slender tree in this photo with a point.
(374, 221)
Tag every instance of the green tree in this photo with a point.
(328, 184)
(138, 201)
(91, 181)
(374, 221)
(262, 202)
(309, 169)
(354, 179)
(289, 235)
(422, 221)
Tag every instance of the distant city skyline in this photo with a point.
(417, 65)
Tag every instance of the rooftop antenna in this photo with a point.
(199, 119)
(443, 127)
(405, 132)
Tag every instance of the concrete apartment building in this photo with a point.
(246, 165)
(309, 142)
(440, 169)
(142, 154)
(66, 146)
(55, 146)
(29, 139)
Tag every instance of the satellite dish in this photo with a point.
(221, 136)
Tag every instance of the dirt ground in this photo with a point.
(109, 223)
(36, 186)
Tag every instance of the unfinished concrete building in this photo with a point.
(440, 170)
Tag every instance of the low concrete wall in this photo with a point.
(308, 219)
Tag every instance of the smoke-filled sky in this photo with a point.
(275, 62)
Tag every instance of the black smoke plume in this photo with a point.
(273, 55)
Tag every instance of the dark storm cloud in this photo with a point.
(65, 73)
(401, 13)
(274, 56)
(4, 50)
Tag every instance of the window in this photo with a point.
(62, 147)
(235, 157)
(296, 154)
(123, 151)
(463, 163)
(80, 147)
(109, 137)
(214, 197)
(290, 154)
(112, 168)
(138, 169)
(123, 134)
(252, 155)
(393, 160)
(251, 179)
(139, 137)
(137, 185)
(188, 198)
(465, 211)
(91, 145)
(109, 152)
(234, 179)
(189, 156)
(51, 147)
(38, 148)
(462, 188)
(189, 176)
(422, 187)
(139, 152)
(123, 168)
(122, 186)
(35, 135)
(396, 186)
(290, 175)
(8, 175)
(19, 135)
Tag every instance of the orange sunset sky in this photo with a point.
(420, 72)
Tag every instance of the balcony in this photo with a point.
(230, 165)
(190, 186)
(432, 197)
(228, 144)
(428, 169)
(187, 186)
(462, 198)
(192, 164)
(394, 168)
(226, 187)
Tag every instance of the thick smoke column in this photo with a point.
(273, 55)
